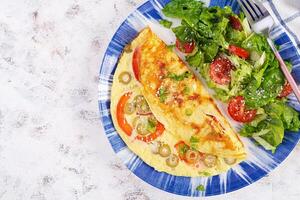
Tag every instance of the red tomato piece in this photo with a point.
(125, 126)
(136, 62)
(148, 138)
(237, 110)
(220, 70)
(187, 47)
(286, 90)
(239, 51)
(235, 23)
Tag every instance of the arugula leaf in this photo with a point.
(165, 23)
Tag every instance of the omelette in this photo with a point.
(166, 116)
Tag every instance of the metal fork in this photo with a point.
(261, 21)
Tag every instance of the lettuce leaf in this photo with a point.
(268, 127)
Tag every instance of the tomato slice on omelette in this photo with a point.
(165, 115)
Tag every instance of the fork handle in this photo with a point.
(285, 70)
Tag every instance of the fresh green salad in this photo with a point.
(238, 65)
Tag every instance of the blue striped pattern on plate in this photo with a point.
(259, 162)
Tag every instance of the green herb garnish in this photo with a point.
(193, 139)
(194, 142)
(186, 90)
(204, 173)
(151, 125)
(188, 112)
(162, 93)
(179, 77)
(200, 188)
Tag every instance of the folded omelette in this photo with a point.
(166, 116)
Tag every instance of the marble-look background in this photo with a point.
(52, 145)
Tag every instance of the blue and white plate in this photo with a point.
(259, 162)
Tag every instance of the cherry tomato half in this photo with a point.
(286, 90)
(237, 110)
(235, 23)
(239, 51)
(187, 47)
(220, 70)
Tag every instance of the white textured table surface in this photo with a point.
(52, 145)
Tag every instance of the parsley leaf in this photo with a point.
(179, 77)
(186, 90)
(204, 173)
(162, 93)
(188, 112)
(194, 140)
(183, 149)
(200, 188)
(151, 125)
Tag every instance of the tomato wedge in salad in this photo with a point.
(187, 47)
(239, 51)
(235, 23)
(220, 70)
(238, 111)
(286, 90)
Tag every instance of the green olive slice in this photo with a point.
(142, 129)
(210, 160)
(129, 108)
(155, 147)
(125, 77)
(164, 150)
(230, 161)
(141, 105)
(172, 160)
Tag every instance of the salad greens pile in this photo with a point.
(208, 34)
